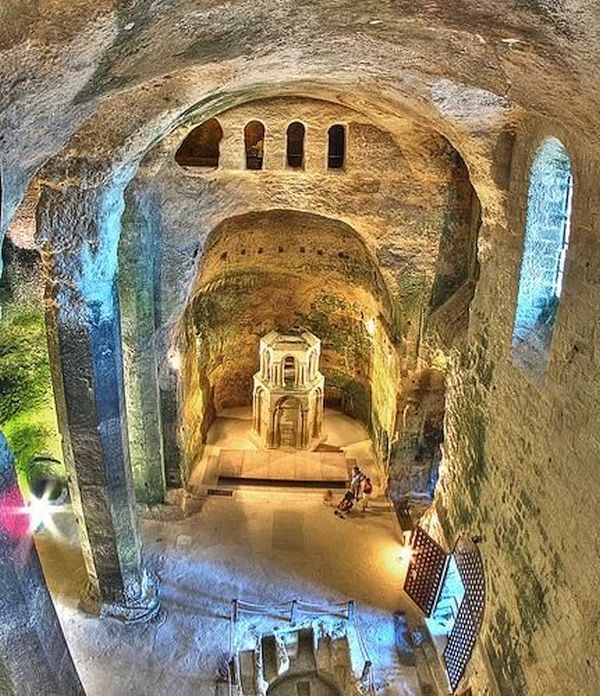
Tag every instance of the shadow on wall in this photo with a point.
(416, 454)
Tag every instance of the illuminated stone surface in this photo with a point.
(34, 658)
(87, 370)
(108, 84)
(287, 396)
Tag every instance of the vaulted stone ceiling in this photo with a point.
(131, 70)
(94, 88)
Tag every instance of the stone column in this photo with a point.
(303, 429)
(78, 226)
(34, 658)
(136, 298)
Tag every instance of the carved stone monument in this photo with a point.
(287, 403)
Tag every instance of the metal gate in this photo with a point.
(426, 571)
(463, 635)
(424, 578)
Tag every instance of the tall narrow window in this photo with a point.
(254, 140)
(545, 248)
(336, 151)
(201, 146)
(289, 371)
(295, 145)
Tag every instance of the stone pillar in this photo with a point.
(275, 148)
(34, 658)
(79, 226)
(315, 150)
(304, 439)
(136, 298)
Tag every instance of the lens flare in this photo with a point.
(14, 517)
(19, 519)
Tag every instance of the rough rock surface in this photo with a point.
(97, 85)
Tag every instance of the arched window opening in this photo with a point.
(295, 145)
(289, 371)
(201, 146)
(336, 151)
(545, 246)
(254, 140)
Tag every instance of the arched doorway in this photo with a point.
(288, 422)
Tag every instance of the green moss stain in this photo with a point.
(27, 415)
(355, 397)
(471, 434)
(504, 654)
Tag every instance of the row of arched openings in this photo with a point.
(545, 246)
(202, 145)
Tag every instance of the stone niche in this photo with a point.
(287, 399)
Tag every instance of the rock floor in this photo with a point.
(261, 545)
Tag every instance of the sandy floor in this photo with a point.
(261, 545)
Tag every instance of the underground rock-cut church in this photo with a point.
(299, 348)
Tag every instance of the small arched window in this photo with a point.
(201, 146)
(545, 247)
(254, 141)
(295, 145)
(289, 371)
(336, 150)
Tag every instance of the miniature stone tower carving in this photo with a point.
(287, 403)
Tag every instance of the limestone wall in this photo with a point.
(521, 460)
(394, 235)
(403, 196)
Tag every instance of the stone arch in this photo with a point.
(336, 146)
(545, 245)
(201, 146)
(93, 210)
(295, 145)
(315, 682)
(254, 144)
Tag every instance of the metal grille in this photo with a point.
(463, 636)
(425, 571)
